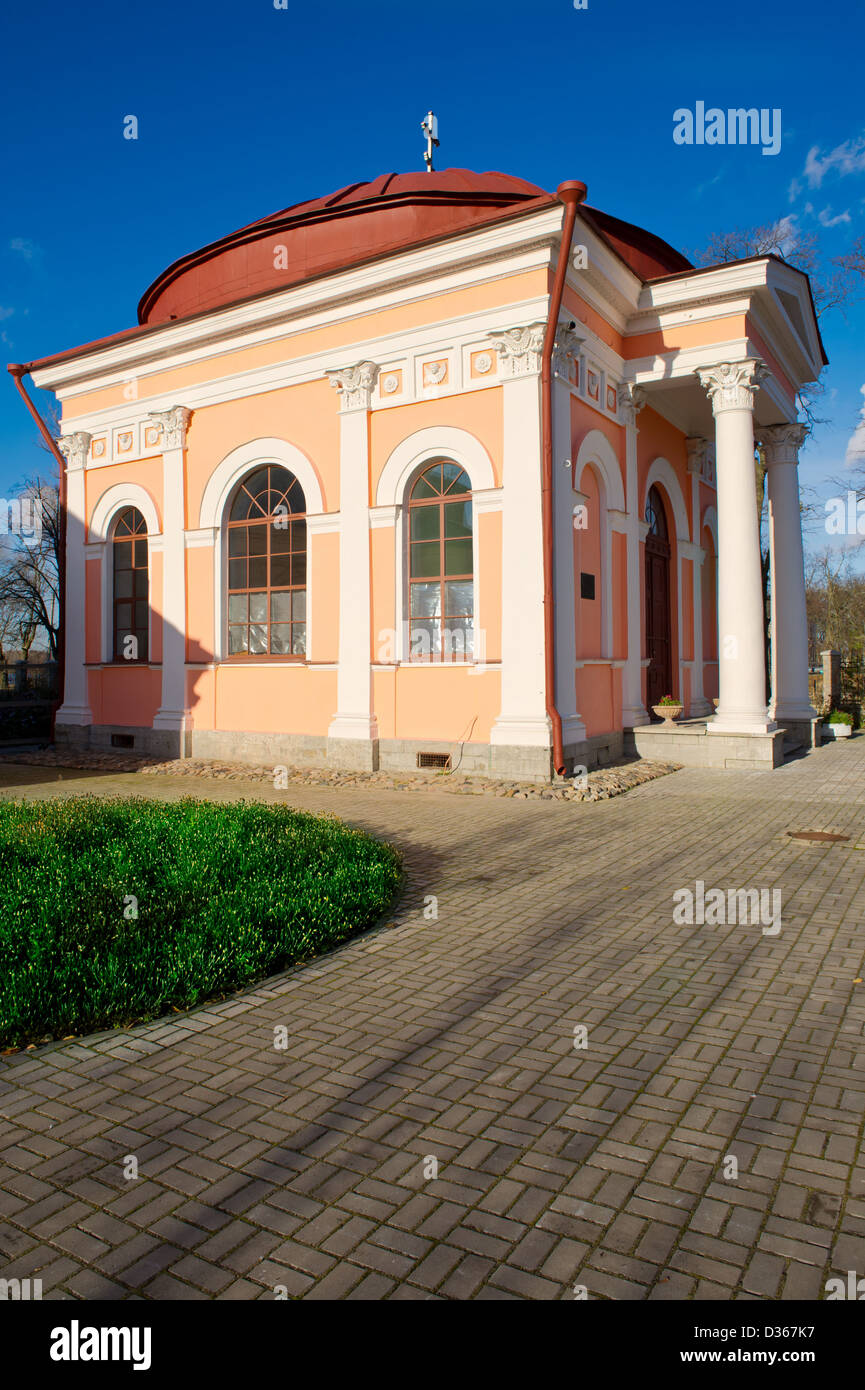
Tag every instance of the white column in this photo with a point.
(173, 716)
(696, 468)
(353, 732)
(742, 705)
(75, 708)
(790, 696)
(631, 401)
(523, 722)
(565, 352)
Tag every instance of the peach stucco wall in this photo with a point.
(306, 415)
(477, 412)
(144, 473)
(448, 703)
(336, 337)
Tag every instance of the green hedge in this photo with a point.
(225, 894)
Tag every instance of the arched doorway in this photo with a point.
(659, 673)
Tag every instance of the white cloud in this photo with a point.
(24, 247)
(5, 313)
(826, 219)
(785, 233)
(847, 158)
(794, 191)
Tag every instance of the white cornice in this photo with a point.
(491, 253)
(430, 339)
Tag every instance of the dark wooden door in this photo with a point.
(659, 675)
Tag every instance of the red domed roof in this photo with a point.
(355, 224)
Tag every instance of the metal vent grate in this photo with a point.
(439, 760)
(122, 740)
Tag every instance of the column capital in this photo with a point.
(731, 385)
(174, 423)
(781, 443)
(566, 348)
(74, 448)
(631, 400)
(696, 447)
(519, 349)
(354, 384)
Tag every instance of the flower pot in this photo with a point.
(668, 713)
(838, 730)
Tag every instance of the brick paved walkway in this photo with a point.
(454, 1038)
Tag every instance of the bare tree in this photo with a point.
(29, 568)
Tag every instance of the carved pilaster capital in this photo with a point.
(631, 400)
(566, 348)
(781, 443)
(354, 384)
(74, 448)
(173, 423)
(519, 349)
(696, 447)
(731, 385)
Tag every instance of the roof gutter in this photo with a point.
(18, 372)
(571, 194)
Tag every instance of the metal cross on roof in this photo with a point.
(430, 127)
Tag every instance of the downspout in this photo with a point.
(571, 194)
(18, 372)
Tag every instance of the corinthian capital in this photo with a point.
(696, 447)
(173, 423)
(631, 400)
(74, 448)
(731, 385)
(781, 443)
(519, 348)
(566, 348)
(354, 384)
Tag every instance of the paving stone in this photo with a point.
(557, 1165)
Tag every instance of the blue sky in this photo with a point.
(244, 108)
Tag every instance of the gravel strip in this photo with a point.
(599, 785)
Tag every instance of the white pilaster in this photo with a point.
(631, 402)
(565, 351)
(696, 469)
(790, 696)
(173, 716)
(353, 731)
(523, 720)
(742, 704)
(75, 708)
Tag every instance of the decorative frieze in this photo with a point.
(731, 385)
(354, 384)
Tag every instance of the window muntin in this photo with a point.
(441, 577)
(131, 587)
(267, 565)
(655, 515)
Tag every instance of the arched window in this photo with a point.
(267, 565)
(131, 587)
(656, 516)
(441, 587)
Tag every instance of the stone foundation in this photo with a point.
(689, 744)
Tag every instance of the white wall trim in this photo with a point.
(597, 449)
(437, 441)
(662, 471)
(113, 500)
(227, 474)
